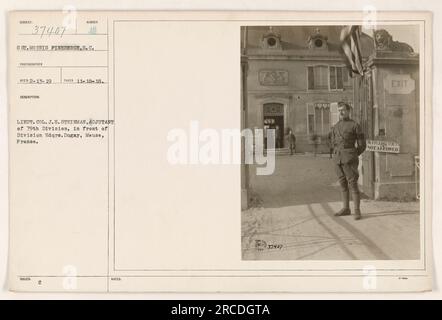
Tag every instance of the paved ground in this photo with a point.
(298, 179)
(293, 218)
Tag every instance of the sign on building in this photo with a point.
(273, 77)
(399, 84)
(383, 146)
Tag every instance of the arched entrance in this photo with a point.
(273, 117)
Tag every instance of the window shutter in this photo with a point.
(339, 77)
(311, 78)
(318, 120)
(310, 118)
(345, 75)
(321, 80)
(326, 123)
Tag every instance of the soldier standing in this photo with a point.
(348, 142)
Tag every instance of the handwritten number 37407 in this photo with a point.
(49, 31)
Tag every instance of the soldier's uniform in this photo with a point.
(348, 142)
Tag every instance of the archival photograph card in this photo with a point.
(220, 151)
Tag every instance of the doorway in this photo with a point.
(274, 119)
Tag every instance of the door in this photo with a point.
(274, 119)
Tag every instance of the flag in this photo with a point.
(351, 45)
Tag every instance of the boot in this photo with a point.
(345, 211)
(357, 203)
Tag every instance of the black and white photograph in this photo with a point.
(220, 152)
(335, 114)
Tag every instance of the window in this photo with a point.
(327, 78)
(346, 77)
(317, 77)
(318, 118)
(311, 123)
(271, 42)
(310, 118)
(318, 43)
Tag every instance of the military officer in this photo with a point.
(348, 142)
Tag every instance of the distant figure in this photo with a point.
(291, 141)
(278, 136)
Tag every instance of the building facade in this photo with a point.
(294, 78)
(387, 104)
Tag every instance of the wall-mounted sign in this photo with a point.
(399, 84)
(273, 77)
(383, 146)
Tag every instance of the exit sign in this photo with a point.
(399, 84)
